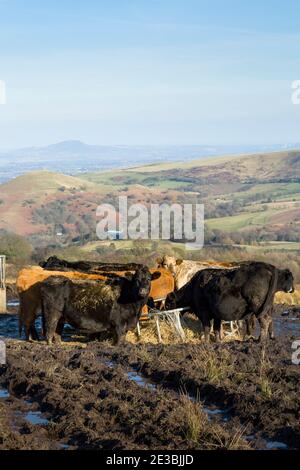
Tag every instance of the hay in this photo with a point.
(289, 299)
(191, 326)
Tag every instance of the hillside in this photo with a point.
(244, 168)
(20, 197)
(256, 196)
(36, 181)
(249, 198)
(75, 157)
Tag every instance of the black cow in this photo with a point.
(234, 294)
(95, 306)
(56, 264)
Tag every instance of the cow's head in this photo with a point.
(141, 282)
(169, 262)
(170, 302)
(285, 281)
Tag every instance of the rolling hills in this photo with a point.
(248, 198)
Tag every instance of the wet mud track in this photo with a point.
(233, 395)
(259, 386)
(93, 404)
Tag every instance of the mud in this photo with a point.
(92, 405)
(91, 395)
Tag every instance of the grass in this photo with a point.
(240, 221)
(129, 245)
(201, 433)
(264, 381)
(253, 161)
(290, 246)
(275, 191)
(196, 419)
(212, 368)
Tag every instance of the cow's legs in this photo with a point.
(52, 319)
(31, 333)
(249, 326)
(217, 329)
(205, 320)
(59, 330)
(271, 329)
(118, 332)
(27, 316)
(34, 333)
(264, 322)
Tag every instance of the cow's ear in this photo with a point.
(155, 275)
(179, 262)
(159, 261)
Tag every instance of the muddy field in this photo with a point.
(91, 395)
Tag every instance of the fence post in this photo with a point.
(2, 285)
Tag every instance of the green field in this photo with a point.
(240, 221)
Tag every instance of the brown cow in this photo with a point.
(160, 288)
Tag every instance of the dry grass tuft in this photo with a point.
(202, 433)
(196, 420)
(264, 382)
(211, 367)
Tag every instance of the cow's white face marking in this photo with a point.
(290, 290)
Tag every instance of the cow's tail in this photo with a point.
(270, 295)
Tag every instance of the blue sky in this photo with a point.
(149, 72)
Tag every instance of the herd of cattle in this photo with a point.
(96, 297)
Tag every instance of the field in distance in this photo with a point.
(248, 199)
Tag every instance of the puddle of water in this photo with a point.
(135, 376)
(13, 303)
(269, 445)
(272, 445)
(147, 383)
(64, 446)
(4, 393)
(35, 417)
(9, 327)
(212, 412)
(286, 326)
(139, 380)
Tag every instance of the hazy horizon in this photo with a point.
(13, 148)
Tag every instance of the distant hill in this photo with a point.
(74, 157)
(259, 166)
